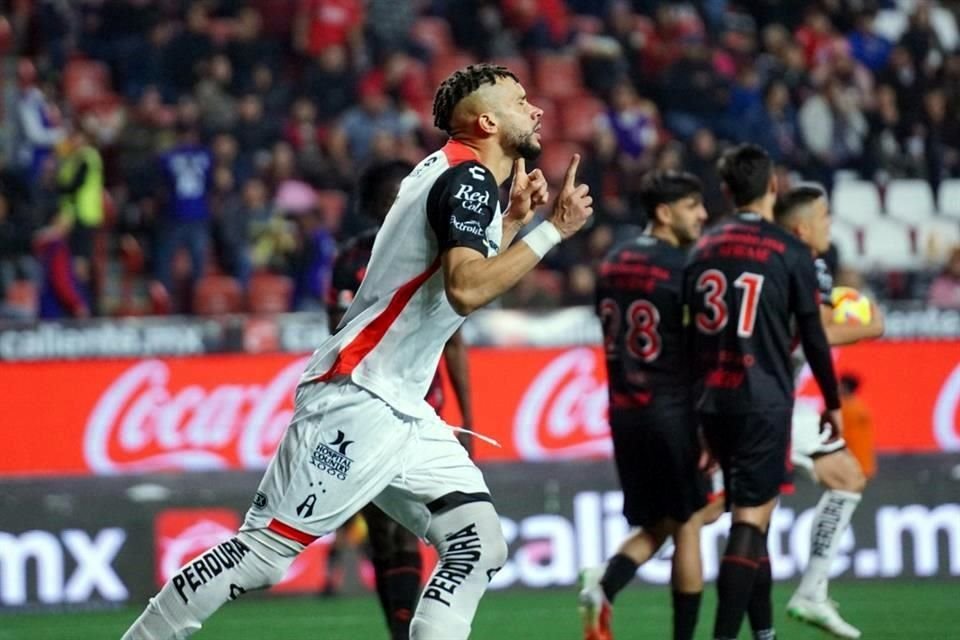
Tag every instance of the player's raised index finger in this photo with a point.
(519, 167)
(571, 174)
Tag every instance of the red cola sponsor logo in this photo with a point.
(946, 413)
(147, 421)
(563, 413)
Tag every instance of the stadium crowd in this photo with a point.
(170, 156)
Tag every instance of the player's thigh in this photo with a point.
(808, 442)
(755, 463)
(436, 475)
(338, 452)
(840, 470)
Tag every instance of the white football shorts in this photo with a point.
(806, 441)
(345, 448)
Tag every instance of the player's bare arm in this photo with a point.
(839, 334)
(472, 280)
(455, 354)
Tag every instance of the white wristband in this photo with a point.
(543, 238)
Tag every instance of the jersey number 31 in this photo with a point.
(713, 285)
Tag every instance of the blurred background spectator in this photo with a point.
(162, 144)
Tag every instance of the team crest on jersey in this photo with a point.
(332, 457)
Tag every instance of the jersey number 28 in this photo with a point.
(713, 285)
(642, 321)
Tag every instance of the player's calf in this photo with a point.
(250, 560)
(471, 549)
(840, 471)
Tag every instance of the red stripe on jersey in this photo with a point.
(371, 335)
(458, 152)
(289, 532)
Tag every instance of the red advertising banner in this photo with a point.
(230, 411)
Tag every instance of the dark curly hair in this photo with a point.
(459, 85)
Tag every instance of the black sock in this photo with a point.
(618, 574)
(402, 586)
(686, 608)
(738, 570)
(380, 567)
(760, 609)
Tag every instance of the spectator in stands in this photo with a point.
(869, 48)
(80, 211)
(945, 290)
(248, 49)
(39, 119)
(633, 122)
(941, 138)
(62, 293)
(773, 125)
(186, 176)
(834, 129)
(231, 226)
(921, 39)
(16, 229)
(274, 96)
(815, 35)
(312, 261)
(701, 160)
(330, 82)
(693, 94)
(188, 50)
(255, 130)
(213, 93)
(374, 113)
(320, 24)
(389, 23)
(901, 74)
(271, 235)
(539, 24)
(892, 152)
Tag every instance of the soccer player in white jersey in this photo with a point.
(804, 211)
(361, 429)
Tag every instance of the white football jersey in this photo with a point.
(391, 338)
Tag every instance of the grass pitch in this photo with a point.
(901, 610)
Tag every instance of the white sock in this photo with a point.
(471, 547)
(832, 519)
(250, 560)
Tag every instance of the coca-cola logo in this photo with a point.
(563, 413)
(144, 421)
(946, 413)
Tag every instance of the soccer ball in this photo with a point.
(850, 306)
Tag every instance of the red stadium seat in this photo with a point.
(269, 293)
(554, 161)
(85, 82)
(443, 66)
(434, 34)
(558, 76)
(578, 117)
(217, 294)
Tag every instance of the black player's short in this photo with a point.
(657, 453)
(753, 450)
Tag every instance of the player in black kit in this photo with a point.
(652, 422)
(751, 286)
(394, 551)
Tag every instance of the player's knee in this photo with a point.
(855, 480)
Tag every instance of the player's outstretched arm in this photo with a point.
(840, 334)
(473, 280)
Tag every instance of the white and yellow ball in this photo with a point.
(850, 306)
